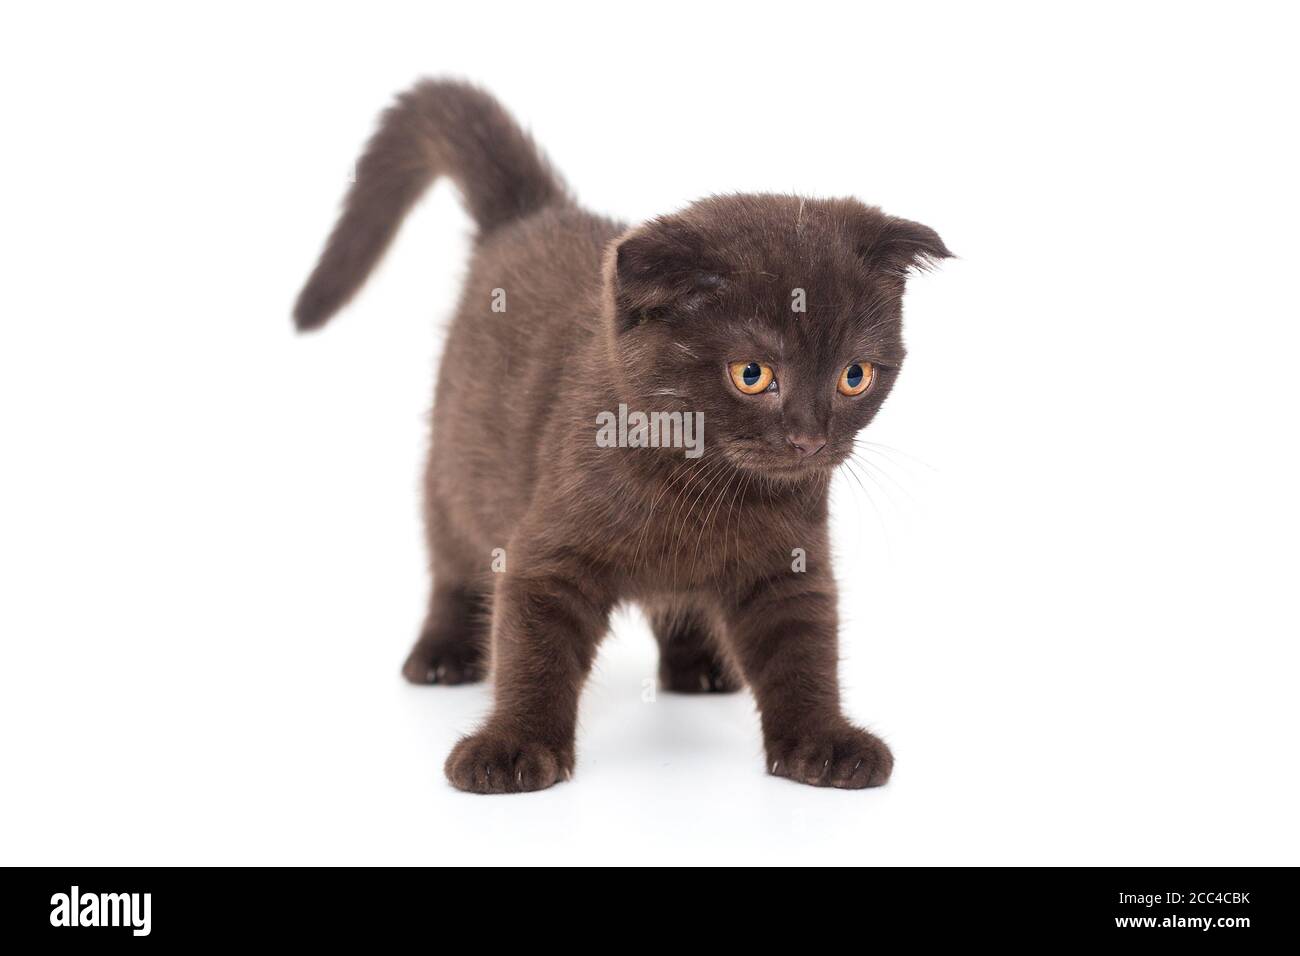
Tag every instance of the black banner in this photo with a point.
(1222, 908)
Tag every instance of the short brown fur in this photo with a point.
(598, 315)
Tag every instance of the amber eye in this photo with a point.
(856, 378)
(751, 377)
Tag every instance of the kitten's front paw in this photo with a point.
(839, 756)
(495, 762)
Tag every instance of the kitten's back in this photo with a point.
(503, 372)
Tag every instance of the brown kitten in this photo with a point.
(537, 528)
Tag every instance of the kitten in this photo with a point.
(774, 321)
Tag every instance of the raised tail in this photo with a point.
(439, 127)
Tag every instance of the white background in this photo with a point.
(1069, 595)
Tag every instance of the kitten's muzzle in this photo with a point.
(806, 446)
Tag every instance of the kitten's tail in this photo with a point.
(439, 127)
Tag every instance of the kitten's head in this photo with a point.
(779, 318)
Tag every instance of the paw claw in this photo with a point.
(698, 677)
(445, 662)
(841, 756)
(520, 765)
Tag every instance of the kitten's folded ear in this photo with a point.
(899, 246)
(658, 270)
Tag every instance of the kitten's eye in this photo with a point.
(856, 378)
(751, 377)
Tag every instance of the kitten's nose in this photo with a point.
(806, 445)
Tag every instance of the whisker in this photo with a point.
(677, 544)
(697, 475)
(740, 495)
(678, 472)
(871, 477)
(871, 500)
(708, 518)
(884, 472)
(898, 451)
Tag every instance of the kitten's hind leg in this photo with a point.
(690, 661)
(453, 644)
